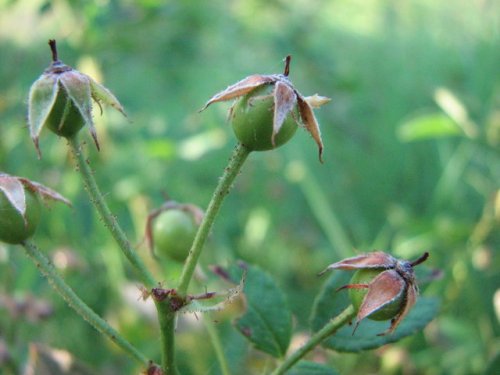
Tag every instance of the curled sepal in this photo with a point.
(14, 192)
(316, 101)
(409, 301)
(42, 97)
(310, 123)
(102, 94)
(284, 102)
(240, 88)
(376, 259)
(384, 289)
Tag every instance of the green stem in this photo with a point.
(81, 308)
(219, 351)
(329, 329)
(107, 217)
(166, 318)
(239, 156)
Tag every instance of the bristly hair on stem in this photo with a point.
(421, 259)
(53, 48)
(287, 65)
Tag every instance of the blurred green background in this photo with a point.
(412, 164)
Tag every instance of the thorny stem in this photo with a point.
(81, 308)
(107, 217)
(53, 48)
(237, 160)
(166, 318)
(329, 329)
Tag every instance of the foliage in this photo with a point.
(412, 141)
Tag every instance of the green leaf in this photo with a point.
(330, 303)
(311, 368)
(429, 126)
(267, 321)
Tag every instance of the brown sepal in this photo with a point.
(284, 102)
(310, 123)
(377, 259)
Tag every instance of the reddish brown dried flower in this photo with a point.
(390, 293)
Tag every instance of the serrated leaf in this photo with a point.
(427, 127)
(311, 124)
(330, 303)
(42, 97)
(14, 192)
(240, 88)
(102, 94)
(267, 321)
(311, 368)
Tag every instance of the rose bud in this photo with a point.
(61, 100)
(383, 287)
(20, 207)
(270, 110)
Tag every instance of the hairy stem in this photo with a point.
(107, 217)
(329, 329)
(237, 160)
(81, 308)
(166, 318)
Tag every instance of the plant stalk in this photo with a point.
(237, 160)
(217, 344)
(81, 308)
(166, 318)
(329, 329)
(107, 217)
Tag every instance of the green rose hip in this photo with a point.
(14, 228)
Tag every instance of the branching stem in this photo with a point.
(237, 160)
(107, 217)
(81, 308)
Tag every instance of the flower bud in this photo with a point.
(61, 99)
(383, 287)
(20, 207)
(263, 119)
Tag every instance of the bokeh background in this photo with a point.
(412, 164)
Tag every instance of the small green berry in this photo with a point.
(173, 232)
(252, 121)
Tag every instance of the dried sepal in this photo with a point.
(376, 259)
(393, 283)
(286, 97)
(284, 102)
(240, 88)
(310, 123)
(14, 187)
(383, 290)
(316, 101)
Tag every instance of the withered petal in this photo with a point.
(310, 123)
(284, 101)
(410, 299)
(383, 289)
(14, 192)
(376, 259)
(240, 88)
